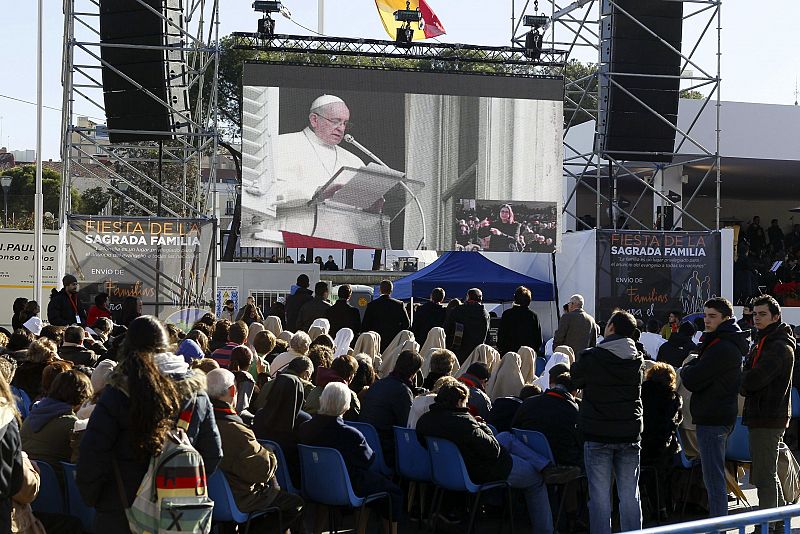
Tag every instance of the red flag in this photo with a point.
(433, 26)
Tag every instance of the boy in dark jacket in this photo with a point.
(713, 378)
(766, 386)
(610, 419)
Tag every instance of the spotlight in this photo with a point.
(263, 6)
(538, 24)
(405, 34)
(266, 24)
(536, 21)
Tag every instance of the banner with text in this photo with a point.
(165, 262)
(651, 274)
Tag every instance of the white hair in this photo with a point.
(335, 399)
(577, 299)
(218, 382)
(300, 343)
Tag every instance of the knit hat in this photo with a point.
(68, 279)
(101, 373)
(190, 350)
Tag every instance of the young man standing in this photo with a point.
(713, 378)
(767, 386)
(610, 420)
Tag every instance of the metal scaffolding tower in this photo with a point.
(86, 152)
(576, 27)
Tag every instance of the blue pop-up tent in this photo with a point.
(457, 272)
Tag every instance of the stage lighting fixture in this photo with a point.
(536, 21)
(538, 24)
(407, 15)
(266, 24)
(263, 6)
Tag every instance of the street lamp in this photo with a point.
(122, 187)
(5, 182)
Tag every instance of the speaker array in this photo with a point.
(643, 64)
(134, 76)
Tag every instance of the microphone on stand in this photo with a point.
(351, 140)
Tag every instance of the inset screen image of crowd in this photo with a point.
(505, 226)
(365, 158)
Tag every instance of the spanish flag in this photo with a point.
(429, 26)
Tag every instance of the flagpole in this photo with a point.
(321, 17)
(38, 198)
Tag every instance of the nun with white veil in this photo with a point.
(435, 340)
(557, 357)
(273, 324)
(481, 354)
(318, 327)
(369, 343)
(342, 342)
(286, 336)
(506, 379)
(402, 341)
(528, 365)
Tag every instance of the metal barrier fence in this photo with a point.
(736, 522)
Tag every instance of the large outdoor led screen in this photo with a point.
(365, 158)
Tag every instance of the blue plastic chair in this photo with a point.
(538, 443)
(282, 473)
(225, 509)
(76, 506)
(412, 460)
(374, 442)
(738, 448)
(795, 403)
(326, 481)
(50, 499)
(450, 473)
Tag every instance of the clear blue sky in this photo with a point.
(760, 62)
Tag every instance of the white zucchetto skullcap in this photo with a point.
(324, 100)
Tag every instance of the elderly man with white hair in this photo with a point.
(576, 329)
(248, 467)
(306, 160)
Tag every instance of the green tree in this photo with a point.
(22, 193)
(93, 200)
(692, 95)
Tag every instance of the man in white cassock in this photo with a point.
(308, 159)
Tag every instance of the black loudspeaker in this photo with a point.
(145, 89)
(636, 60)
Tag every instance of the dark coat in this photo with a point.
(554, 413)
(312, 310)
(107, 439)
(474, 325)
(519, 326)
(426, 317)
(387, 317)
(333, 432)
(714, 376)
(343, 315)
(385, 404)
(610, 376)
(767, 378)
(662, 415)
(676, 349)
(485, 459)
(294, 302)
(60, 311)
(78, 355)
(11, 468)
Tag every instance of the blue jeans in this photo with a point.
(525, 475)
(621, 459)
(712, 442)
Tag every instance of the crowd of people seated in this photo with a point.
(611, 400)
(767, 262)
